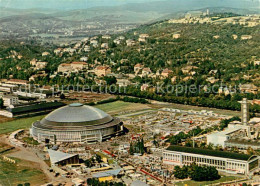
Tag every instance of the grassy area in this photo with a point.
(13, 174)
(120, 106)
(200, 183)
(31, 141)
(218, 111)
(18, 124)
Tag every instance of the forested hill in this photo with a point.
(197, 46)
(202, 55)
(232, 58)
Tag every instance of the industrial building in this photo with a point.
(59, 158)
(241, 135)
(219, 138)
(31, 109)
(107, 175)
(227, 162)
(76, 123)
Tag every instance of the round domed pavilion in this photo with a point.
(76, 123)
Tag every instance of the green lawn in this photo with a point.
(120, 106)
(24, 123)
(13, 174)
(200, 183)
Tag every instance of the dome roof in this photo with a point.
(77, 113)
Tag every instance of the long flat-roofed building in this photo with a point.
(227, 162)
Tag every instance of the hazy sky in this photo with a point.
(67, 4)
(82, 4)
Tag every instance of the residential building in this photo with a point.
(130, 42)
(33, 62)
(166, 73)
(173, 79)
(41, 65)
(234, 36)
(58, 51)
(123, 82)
(212, 80)
(144, 36)
(144, 87)
(138, 67)
(106, 37)
(33, 77)
(17, 82)
(188, 69)
(176, 36)
(64, 67)
(102, 71)
(146, 71)
(45, 53)
(256, 63)
(78, 65)
(85, 59)
(249, 88)
(246, 37)
(104, 45)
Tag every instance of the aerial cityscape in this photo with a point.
(129, 93)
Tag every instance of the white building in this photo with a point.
(219, 138)
(10, 100)
(227, 162)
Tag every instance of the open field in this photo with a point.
(197, 108)
(14, 125)
(21, 172)
(120, 107)
(200, 183)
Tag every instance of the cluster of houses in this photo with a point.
(249, 21)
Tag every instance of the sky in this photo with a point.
(65, 4)
(83, 4)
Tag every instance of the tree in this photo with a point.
(62, 96)
(1, 103)
(181, 173)
(110, 80)
(131, 149)
(98, 158)
(196, 173)
(89, 181)
(88, 163)
(203, 173)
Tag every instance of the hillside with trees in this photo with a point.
(206, 56)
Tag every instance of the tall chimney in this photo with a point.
(245, 111)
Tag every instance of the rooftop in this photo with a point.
(107, 173)
(57, 156)
(77, 112)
